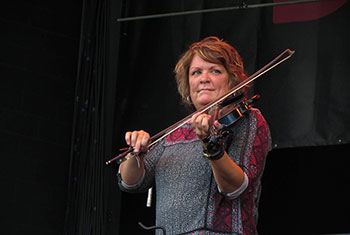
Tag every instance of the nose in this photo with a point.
(204, 78)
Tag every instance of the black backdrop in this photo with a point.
(306, 181)
(305, 101)
(39, 43)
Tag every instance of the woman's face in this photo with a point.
(207, 81)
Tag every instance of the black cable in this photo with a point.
(153, 227)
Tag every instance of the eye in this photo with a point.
(216, 71)
(195, 72)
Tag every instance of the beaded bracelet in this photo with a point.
(213, 147)
(215, 156)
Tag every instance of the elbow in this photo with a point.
(237, 190)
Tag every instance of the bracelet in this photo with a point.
(215, 156)
(213, 149)
(213, 145)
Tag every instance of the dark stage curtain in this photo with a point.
(93, 197)
(126, 82)
(304, 100)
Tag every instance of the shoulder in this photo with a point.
(259, 129)
(257, 119)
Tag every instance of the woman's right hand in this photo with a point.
(139, 140)
(131, 170)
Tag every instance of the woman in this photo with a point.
(204, 185)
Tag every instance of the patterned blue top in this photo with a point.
(187, 196)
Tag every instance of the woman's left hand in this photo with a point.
(201, 123)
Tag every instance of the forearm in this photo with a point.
(132, 170)
(228, 175)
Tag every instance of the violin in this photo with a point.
(227, 110)
(237, 111)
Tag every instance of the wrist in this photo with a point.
(213, 148)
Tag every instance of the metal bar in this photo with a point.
(242, 6)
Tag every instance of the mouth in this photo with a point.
(204, 90)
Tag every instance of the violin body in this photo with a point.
(237, 111)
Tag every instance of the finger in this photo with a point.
(128, 138)
(141, 141)
(205, 125)
(203, 122)
(137, 147)
(217, 124)
(144, 142)
(197, 119)
(193, 119)
(133, 139)
(201, 125)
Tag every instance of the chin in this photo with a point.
(203, 103)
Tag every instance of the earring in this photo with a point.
(188, 98)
